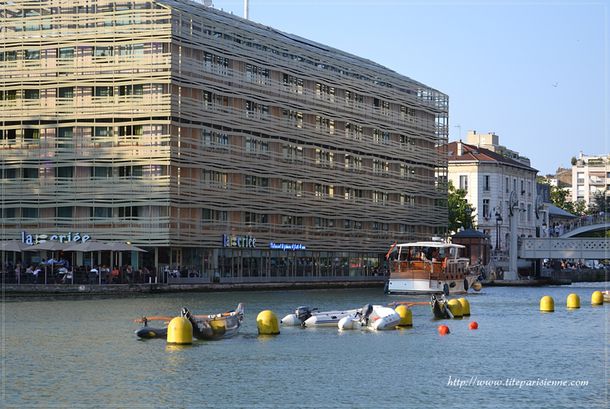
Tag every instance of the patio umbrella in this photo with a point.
(52, 246)
(90, 246)
(13, 245)
(121, 246)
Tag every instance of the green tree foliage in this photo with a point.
(559, 197)
(599, 203)
(461, 213)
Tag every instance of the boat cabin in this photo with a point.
(427, 260)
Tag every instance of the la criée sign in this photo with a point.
(69, 237)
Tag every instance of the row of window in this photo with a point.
(68, 53)
(69, 92)
(208, 215)
(94, 172)
(463, 184)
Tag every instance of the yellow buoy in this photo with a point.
(267, 323)
(465, 307)
(547, 304)
(573, 301)
(180, 331)
(477, 286)
(456, 308)
(406, 316)
(597, 298)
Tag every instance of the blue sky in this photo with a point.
(535, 73)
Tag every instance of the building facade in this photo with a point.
(492, 183)
(221, 146)
(590, 177)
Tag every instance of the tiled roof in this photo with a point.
(475, 153)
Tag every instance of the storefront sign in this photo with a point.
(62, 238)
(287, 246)
(230, 240)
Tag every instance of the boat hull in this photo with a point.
(428, 287)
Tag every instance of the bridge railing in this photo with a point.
(564, 248)
(559, 229)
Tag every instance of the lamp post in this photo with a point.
(498, 224)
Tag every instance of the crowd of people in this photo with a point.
(60, 272)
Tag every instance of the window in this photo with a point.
(9, 173)
(101, 212)
(102, 131)
(214, 178)
(486, 208)
(137, 89)
(292, 220)
(292, 187)
(64, 172)
(464, 182)
(292, 153)
(256, 181)
(64, 212)
(506, 184)
(29, 212)
(101, 172)
(8, 56)
(212, 215)
(103, 91)
(102, 51)
(31, 94)
(65, 92)
(256, 146)
(486, 183)
(522, 188)
(31, 134)
(64, 133)
(129, 211)
(32, 54)
(65, 53)
(529, 188)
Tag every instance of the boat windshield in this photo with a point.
(426, 253)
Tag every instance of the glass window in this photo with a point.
(464, 182)
(29, 212)
(64, 172)
(9, 174)
(65, 53)
(64, 212)
(31, 94)
(31, 134)
(102, 51)
(65, 92)
(32, 54)
(30, 173)
(103, 91)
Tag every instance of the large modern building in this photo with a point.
(496, 178)
(217, 144)
(590, 177)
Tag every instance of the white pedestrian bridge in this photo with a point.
(560, 248)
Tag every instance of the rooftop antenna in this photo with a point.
(246, 9)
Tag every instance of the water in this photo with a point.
(83, 353)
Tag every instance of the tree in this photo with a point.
(461, 213)
(559, 197)
(599, 203)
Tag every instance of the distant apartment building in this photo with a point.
(219, 145)
(491, 180)
(590, 176)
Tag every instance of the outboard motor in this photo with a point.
(366, 312)
(302, 313)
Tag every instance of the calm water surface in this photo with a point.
(83, 353)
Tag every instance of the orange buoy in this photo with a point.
(473, 325)
(443, 330)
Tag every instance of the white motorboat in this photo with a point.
(375, 317)
(428, 267)
(311, 317)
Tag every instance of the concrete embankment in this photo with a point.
(41, 290)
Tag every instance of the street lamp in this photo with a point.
(498, 223)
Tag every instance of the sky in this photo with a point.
(533, 72)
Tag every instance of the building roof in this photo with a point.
(473, 153)
(559, 212)
(470, 234)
